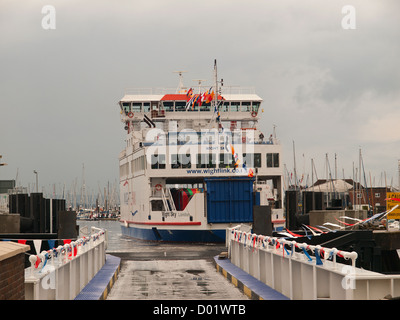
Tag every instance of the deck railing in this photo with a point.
(302, 271)
(203, 88)
(61, 273)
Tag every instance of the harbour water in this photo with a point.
(165, 271)
(116, 241)
(129, 248)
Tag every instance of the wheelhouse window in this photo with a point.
(194, 107)
(180, 106)
(158, 161)
(246, 106)
(168, 106)
(235, 106)
(255, 106)
(252, 160)
(226, 160)
(273, 160)
(180, 161)
(137, 107)
(225, 107)
(206, 160)
(205, 106)
(126, 106)
(146, 106)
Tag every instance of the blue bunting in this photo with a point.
(51, 243)
(307, 255)
(317, 258)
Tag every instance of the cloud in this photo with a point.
(381, 118)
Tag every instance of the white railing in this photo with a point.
(61, 273)
(310, 272)
(196, 88)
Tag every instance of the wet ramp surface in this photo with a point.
(172, 280)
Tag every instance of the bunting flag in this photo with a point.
(330, 256)
(189, 93)
(46, 256)
(37, 244)
(306, 254)
(38, 261)
(51, 243)
(293, 234)
(287, 252)
(309, 237)
(22, 241)
(200, 98)
(196, 97)
(317, 258)
(345, 223)
(235, 157)
(189, 102)
(210, 97)
(316, 229)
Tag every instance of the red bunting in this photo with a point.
(251, 173)
(293, 234)
(347, 224)
(65, 242)
(22, 241)
(37, 261)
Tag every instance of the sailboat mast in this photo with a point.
(294, 163)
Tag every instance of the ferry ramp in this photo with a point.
(172, 272)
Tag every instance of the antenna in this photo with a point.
(216, 83)
(199, 81)
(180, 88)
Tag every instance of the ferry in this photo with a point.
(196, 163)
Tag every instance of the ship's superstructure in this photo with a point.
(195, 163)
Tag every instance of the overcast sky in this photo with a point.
(328, 89)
